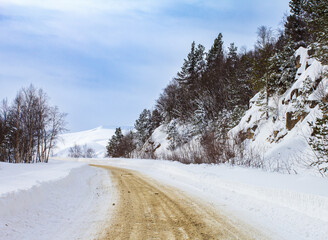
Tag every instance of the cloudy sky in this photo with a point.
(103, 61)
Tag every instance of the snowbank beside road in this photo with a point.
(59, 200)
(285, 206)
(17, 177)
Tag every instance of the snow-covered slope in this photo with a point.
(58, 200)
(281, 141)
(95, 138)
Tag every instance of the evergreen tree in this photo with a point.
(127, 145)
(232, 78)
(113, 147)
(244, 71)
(188, 80)
(156, 119)
(263, 52)
(192, 68)
(215, 55)
(296, 28)
(319, 139)
(282, 69)
(318, 23)
(300, 103)
(261, 75)
(213, 81)
(143, 127)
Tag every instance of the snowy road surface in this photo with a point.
(71, 200)
(284, 207)
(146, 209)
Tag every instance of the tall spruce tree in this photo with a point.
(188, 80)
(319, 139)
(282, 69)
(192, 68)
(261, 77)
(213, 84)
(113, 147)
(143, 126)
(231, 75)
(317, 11)
(296, 28)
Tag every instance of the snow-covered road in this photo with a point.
(283, 206)
(147, 209)
(69, 199)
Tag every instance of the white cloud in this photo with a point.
(88, 6)
(89, 53)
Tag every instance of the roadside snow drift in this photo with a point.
(58, 200)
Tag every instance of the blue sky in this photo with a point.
(103, 61)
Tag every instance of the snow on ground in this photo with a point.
(282, 206)
(95, 138)
(58, 200)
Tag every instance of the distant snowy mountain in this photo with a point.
(95, 138)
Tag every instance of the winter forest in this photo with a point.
(218, 106)
(29, 127)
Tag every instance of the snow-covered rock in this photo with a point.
(282, 140)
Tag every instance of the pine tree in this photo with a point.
(113, 147)
(317, 11)
(192, 68)
(188, 81)
(213, 85)
(231, 76)
(296, 28)
(155, 120)
(215, 54)
(244, 71)
(319, 139)
(261, 74)
(299, 103)
(143, 127)
(282, 69)
(263, 52)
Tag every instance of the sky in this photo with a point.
(104, 61)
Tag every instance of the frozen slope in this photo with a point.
(281, 141)
(58, 200)
(95, 138)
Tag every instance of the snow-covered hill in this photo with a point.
(279, 142)
(282, 139)
(96, 139)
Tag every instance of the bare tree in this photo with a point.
(84, 151)
(29, 127)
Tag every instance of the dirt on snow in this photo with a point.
(146, 209)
